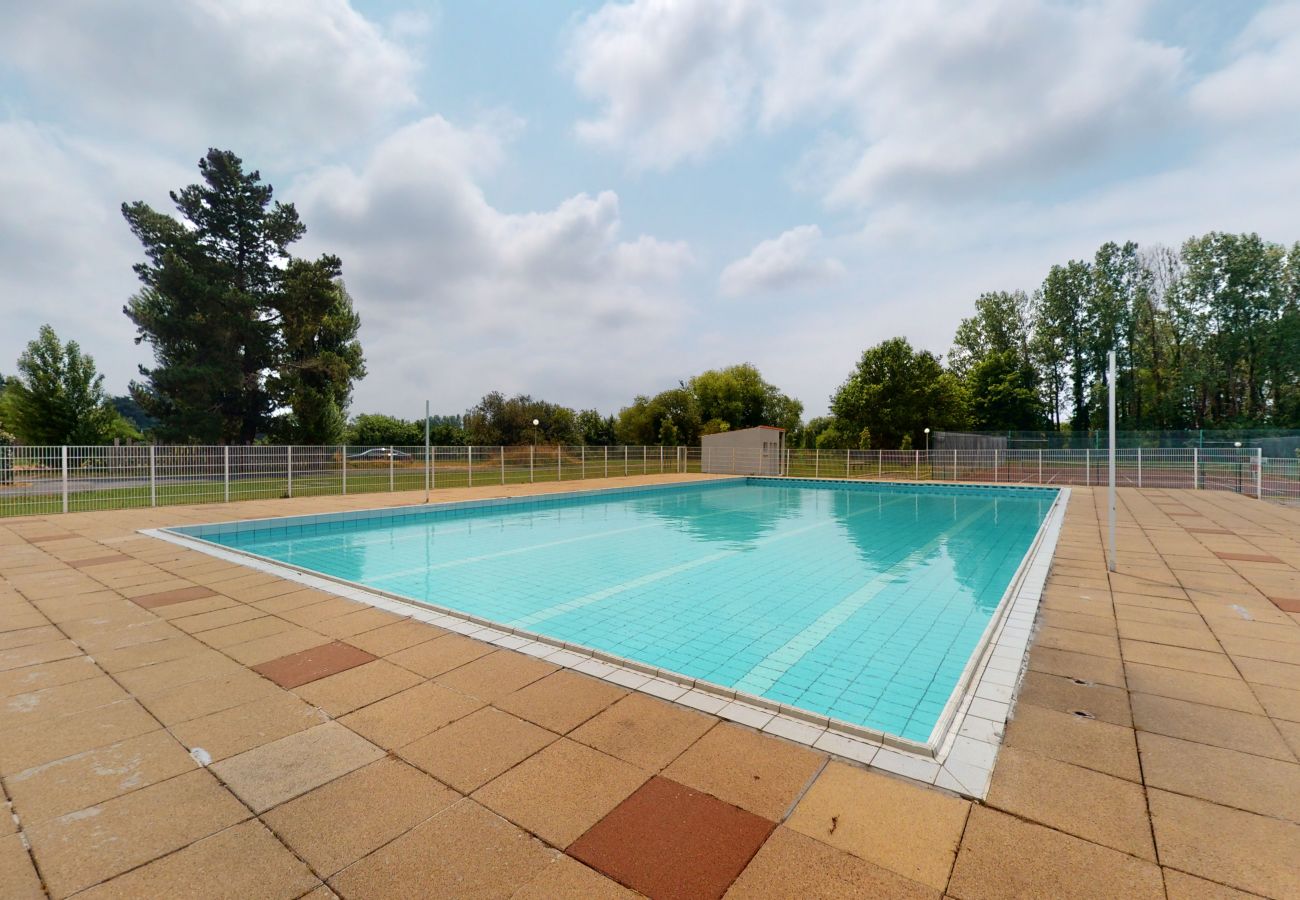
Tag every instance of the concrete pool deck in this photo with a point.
(341, 750)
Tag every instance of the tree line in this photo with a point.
(251, 343)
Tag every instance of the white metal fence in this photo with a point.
(43, 480)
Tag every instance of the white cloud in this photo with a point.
(293, 74)
(458, 297)
(1259, 85)
(787, 262)
(935, 97)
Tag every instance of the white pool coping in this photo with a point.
(963, 746)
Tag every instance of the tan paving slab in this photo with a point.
(465, 851)
(243, 632)
(195, 607)
(18, 878)
(257, 651)
(1209, 725)
(1263, 671)
(1228, 777)
(37, 706)
(359, 622)
(410, 715)
(136, 656)
(397, 636)
(176, 672)
(1104, 645)
(1090, 743)
(317, 613)
(20, 657)
(1087, 804)
(1078, 621)
(1181, 658)
(233, 615)
(238, 729)
(26, 637)
(357, 687)
(1067, 664)
(175, 595)
(496, 675)
(644, 731)
(1211, 690)
(86, 779)
(1280, 703)
(86, 847)
(565, 877)
(351, 817)
(242, 861)
(1240, 849)
(562, 700)
(1291, 734)
(41, 742)
(910, 830)
(1198, 638)
(1003, 857)
(792, 864)
(47, 675)
(758, 773)
(1068, 695)
(561, 791)
(281, 770)
(440, 655)
(1181, 886)
(472, 751)
(203, 698)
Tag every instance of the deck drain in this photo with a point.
(1082, 682)
(1084, 714)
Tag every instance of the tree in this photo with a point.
(595, 430)
(220, 288)
(895, 392)
(498, 420)
(321, 356)
(670, 417)
(1004, 394)
(738, 396)
(1060, 336)
(375, 430)
(58, 397)
(1001, 324)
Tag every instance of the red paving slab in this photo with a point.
(1248, 557)
(98, 561)
(672, 843)
(180, 595)
(314, 663)
(1208, 531)
(42, 538)
(1286, 604)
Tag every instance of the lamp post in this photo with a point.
(929, 461)
(1237, 444)
(536, 422)
(927, 440)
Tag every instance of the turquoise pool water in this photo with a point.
(862, 602)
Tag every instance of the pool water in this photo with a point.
(861, 602)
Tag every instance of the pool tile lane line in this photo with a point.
(962, 763)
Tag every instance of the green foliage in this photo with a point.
(58, 397)
(896, 392)
(595, 430)
(1004, 394)
(672, 413)
(498, 420)
(375, 430)
(238, 327)
(738, 396)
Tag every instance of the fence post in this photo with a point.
(226, 470)
(391, 454)
(584, 463)
(1196, 469)
(916, 475)
(469, 465)
(661, 459)
(64, 469)
(625, 469)
(607, 460)
(1259, 473)
(343, 452)
(997, 478)
(880, 463)
(954, 465)
(289, 467)
(1040, 466)
(153, 475)
(645, 459)
(559, 460)
(1139, 466)
(532, 453)
(817, 463)
(503, 464)
(733, 460)
(1087, 467)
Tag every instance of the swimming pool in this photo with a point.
(861, 602)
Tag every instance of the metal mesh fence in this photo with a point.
(43, 480)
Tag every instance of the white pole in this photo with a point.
(391, 479)
(584, 462)
(469, 465)
(65, 476)
(226, 468)
(817, 463)
(1040, 466)
(153, 475)
(288, 468)
(532, 452)
(1196, 468)
(625, 469)
(607, 460)
(1259, 473)
(1139, 467)
(1087, 466)
(559, 456)
(428, 458)
(503, 464)
(916, 475)
(343, 450)
(1111, 377)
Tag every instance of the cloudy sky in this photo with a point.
(590, 202)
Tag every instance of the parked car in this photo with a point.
(378, 453)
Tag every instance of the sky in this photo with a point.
(589, 202)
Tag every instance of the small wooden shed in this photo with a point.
(745, 451)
